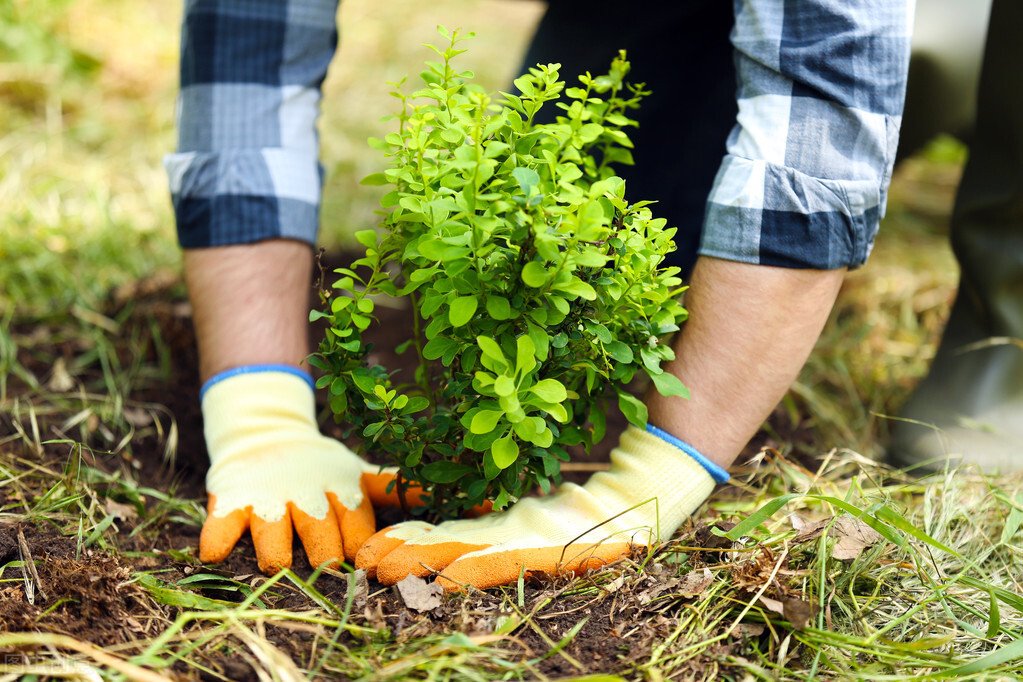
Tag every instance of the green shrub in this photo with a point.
(536, 286)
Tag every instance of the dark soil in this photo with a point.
(91, 594)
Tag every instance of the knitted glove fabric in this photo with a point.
(653, 484)
(272, 472)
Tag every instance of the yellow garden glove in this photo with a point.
(654, 483)
(271, 470)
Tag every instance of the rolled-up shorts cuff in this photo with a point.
(808, 222)
(244, 196)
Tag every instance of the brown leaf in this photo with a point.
(419, 594)
(704, 537)
(651, 593)
(361, 588)
(797, 611)
(122, 512)
(773, 605)
(60, 379)
(811, 531)
(375, 615)
(750, 629)
(695, 582)
(854, 536)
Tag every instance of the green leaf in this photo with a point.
(506, 451)
(543, 438)
(619, 351)
(534, 274)
(994, 619)
(498, 307)
(556, 410)
(750, 523)
(436, 347)
(550, 390)
(1010, 652)
(444, 472)
(651, 360)
(669, 385)
(485, 421)
(364, 381)
(600, 331)
(526, 429)
(490, 468)
(374, 179)
(462, 309)
(527, 179)
(416, 404)
(575, 287)
(491, 349)
(633, 409)
(540, 340)
(525, 359)
(504, 386)
(367, 238)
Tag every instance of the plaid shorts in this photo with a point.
(802, 183)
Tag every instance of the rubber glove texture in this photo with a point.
(272, 472)
(649, 490)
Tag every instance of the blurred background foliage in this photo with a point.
(87, 90)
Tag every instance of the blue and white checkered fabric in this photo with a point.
(247, 164)
(803, 184)
(821, 89)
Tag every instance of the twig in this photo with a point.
(29, 571)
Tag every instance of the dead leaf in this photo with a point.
(797, 611)
(773, 605)
(375, 616)
(695, 582)
(121, 512)
(811, 531)
(29, 572)
(749, 629)
(855, 537)
(852, 535)
(419, 594)
(60, 379)
(361, 587)
(615, 585)
(651, 593)
(137, 417)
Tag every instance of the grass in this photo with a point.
(842, 569)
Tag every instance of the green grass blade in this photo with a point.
(1009, 652)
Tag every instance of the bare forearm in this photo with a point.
(250, 303)
(750, 331)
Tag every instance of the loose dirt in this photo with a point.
(96, 596)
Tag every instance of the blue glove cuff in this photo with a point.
(716, 472)
(255, 369)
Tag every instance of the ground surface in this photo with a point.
(112, 527)
(91, 594)
(838, 568)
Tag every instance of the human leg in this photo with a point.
(250, 303)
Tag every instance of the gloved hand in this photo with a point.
(271, 470)
(654, 483)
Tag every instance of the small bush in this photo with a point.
(536, 286)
